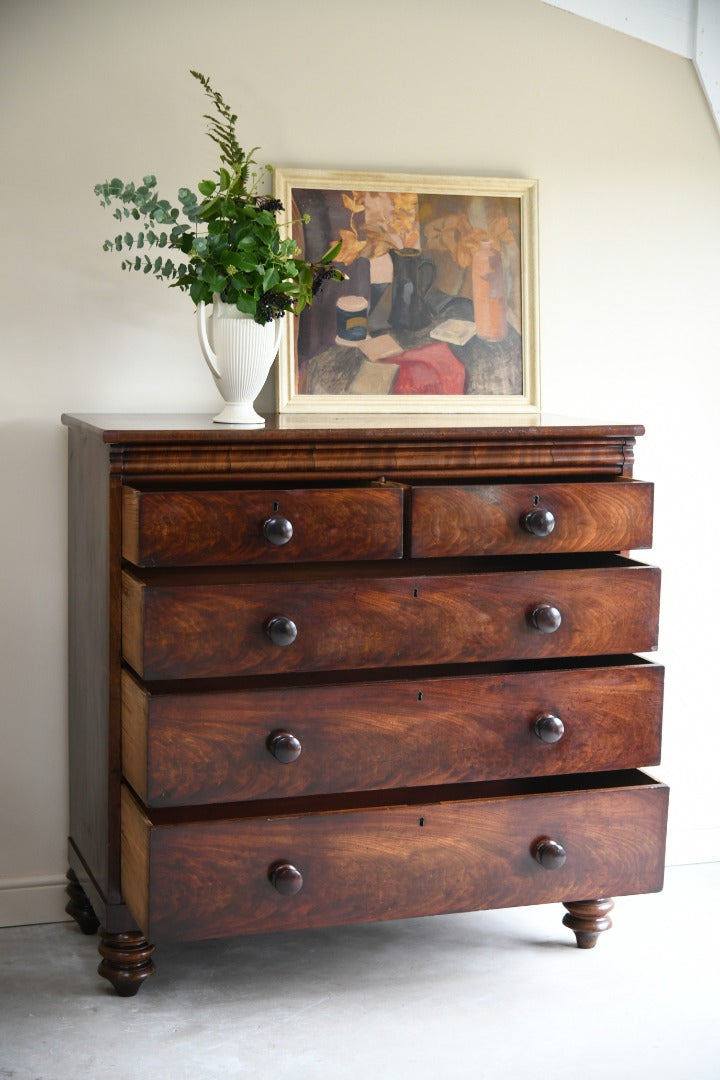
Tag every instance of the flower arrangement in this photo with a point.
(392, 220)
(231, 245)
(455, 234)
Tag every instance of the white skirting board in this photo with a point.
(25, 902)
(686, 846)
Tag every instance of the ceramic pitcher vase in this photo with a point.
(239, 353)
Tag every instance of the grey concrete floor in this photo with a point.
(487, 995)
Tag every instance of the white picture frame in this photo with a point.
(462, 250)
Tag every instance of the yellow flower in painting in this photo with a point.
(469, 244)
(445, 233)
(500, 231)
(405, 202)
(353, 202)
(351, 248)
(455, 234)
(391, 221)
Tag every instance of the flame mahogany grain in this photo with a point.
(224, 528)
(211, 747)
(412, 689)
(487, 519)
(194, 630)
(210, 879)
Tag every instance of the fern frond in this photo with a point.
(222, 131)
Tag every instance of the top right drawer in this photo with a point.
(527, 519)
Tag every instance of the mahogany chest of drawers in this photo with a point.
(324, 673)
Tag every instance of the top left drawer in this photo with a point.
(227, 527)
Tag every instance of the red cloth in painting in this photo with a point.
(431, 369)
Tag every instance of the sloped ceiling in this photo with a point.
(689, 28)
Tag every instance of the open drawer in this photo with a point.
(282, 866)
(211, 744)
(213, 623)
(225, 526)
(530, 519)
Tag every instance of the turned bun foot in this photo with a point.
(78, 906)
(126, 961)
(588, 918)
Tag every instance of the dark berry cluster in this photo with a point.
(322, 273)
(265, 202)
(271, 305)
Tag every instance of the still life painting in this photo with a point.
(437, 311)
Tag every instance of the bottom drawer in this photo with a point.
(289, 865)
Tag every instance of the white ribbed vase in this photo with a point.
(239, 353)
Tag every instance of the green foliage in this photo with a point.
(230, 242)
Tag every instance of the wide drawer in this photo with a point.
(235, 744)
(500, 519)
(207, 627)
(439, 851)
(227, 527)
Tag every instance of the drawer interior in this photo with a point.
(398, 797)
(311, 572)
(289, 680)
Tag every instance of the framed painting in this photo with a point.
(438, 311)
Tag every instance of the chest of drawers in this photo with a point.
(324, 673)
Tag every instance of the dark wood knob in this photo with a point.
(549, 853)
(278, 531)
(538, 522)
(281, 630)
(546, 618)
(286, 878)
(284, 746)
(549, 728)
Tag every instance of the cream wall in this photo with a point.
(618, 134)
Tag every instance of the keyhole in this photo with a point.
(536, 500)
(421, 822)
(415, 592)
(420, 695)
(276, 507)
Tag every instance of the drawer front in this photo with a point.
(184, 631)
(501, 519)
(222, 528)
(182, 749)
(209, 879)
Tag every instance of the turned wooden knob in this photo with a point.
(538, 522)
(549, 853)
(278, 531)
(546, 618)
(281, 630)
(549, 728)
(286, 878)
(284, 746)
